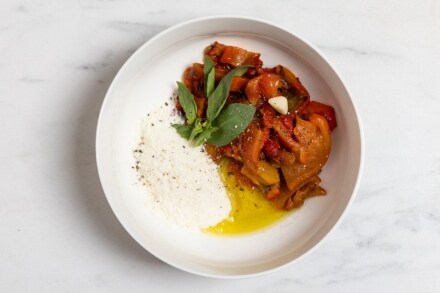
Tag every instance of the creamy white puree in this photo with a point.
(181, 180)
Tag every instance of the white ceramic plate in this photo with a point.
(148, 78)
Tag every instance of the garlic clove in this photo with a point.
(279, 104)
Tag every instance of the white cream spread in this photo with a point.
(181, 180)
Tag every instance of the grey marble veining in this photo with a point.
(58, 59)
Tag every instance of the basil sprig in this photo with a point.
(186, 100)
(231, 121)
(209, 72)
(223, 124)
(217, 99)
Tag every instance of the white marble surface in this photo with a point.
(57, 231)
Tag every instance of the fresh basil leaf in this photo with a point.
(217, 99)
(186, 100)
(231, 121)
(197, 129)
(183, 130)
(205, 135)
(209, 73)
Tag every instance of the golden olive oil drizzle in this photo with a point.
(250, 210)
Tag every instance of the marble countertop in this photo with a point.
(57, 230)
